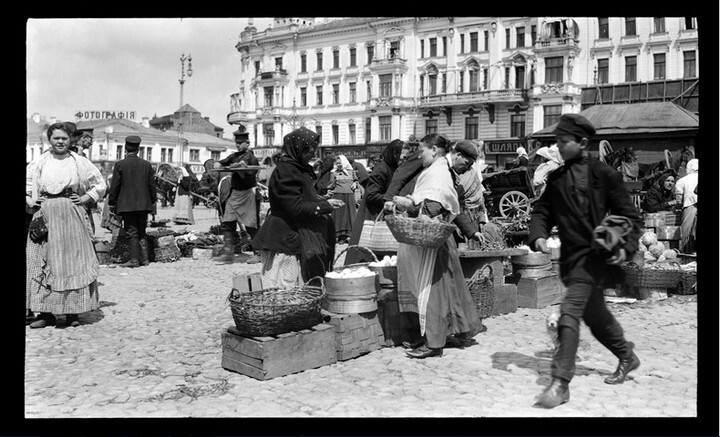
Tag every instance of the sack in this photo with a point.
(37, 230)
(376, 235)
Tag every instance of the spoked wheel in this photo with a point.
(513, 203)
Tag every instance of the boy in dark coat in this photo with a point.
(577, 198)
(132, 196)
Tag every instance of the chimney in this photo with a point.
(145, 122)
(36, 118)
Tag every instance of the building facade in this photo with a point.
(495, 79)
(158, 146)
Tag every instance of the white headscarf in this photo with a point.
(692, 166)
(521, 152)
(346, 166)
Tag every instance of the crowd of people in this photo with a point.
(313, 208)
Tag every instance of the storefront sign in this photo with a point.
(101, 115)
(504, 147)
(197, 169)
(354, 152)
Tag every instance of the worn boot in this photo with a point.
(227, 254)
(556, 394)
(144, 259)
(132, 263)
(43, 320)
(626, 366)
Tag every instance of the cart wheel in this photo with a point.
(512, 203)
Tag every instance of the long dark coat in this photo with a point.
(133, 185)
(556, 206)
(294, 208)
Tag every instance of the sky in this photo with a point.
(133, 64)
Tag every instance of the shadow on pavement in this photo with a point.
(501, 361)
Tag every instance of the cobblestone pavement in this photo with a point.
(153, 350)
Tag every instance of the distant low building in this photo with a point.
(158, 146)
(186, 119)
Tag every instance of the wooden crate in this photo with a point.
(355, 334)
(538, 292)
(668, 232)
(269, 357)
(244, 283)
(506, 299)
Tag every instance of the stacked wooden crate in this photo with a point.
(355, 334)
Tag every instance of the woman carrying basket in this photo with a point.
(297, 239)
(373, 200)
(430, 281)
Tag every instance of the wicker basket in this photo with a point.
(686, 258)
(688, 283)
(649, 277)
(481, 289)
(420, 231)
(273, 311)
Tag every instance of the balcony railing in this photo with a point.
(276, 74)
(555, 88)
(487, 96)
(390, 101)
(561, 41)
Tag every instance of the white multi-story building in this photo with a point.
(496, 79)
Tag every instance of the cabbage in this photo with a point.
(656, 249)
(642, 247)
(648, 239)
(661, 258)
(669, 254)
(648, 256)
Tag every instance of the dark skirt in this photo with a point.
(343, 217)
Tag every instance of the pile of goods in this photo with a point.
(387, 261)
(196, 239)
(653, 250)
(350, 273)
(657, 268)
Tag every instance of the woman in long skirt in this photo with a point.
(343, 184)
(62, 182)
(183, 199)
(430, 281)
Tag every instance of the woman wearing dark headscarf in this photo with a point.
(661, 196)
(297, 239)
(373, 201)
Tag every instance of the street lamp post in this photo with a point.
(183, 58)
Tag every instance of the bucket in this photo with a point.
(532, 265)
(351, 295)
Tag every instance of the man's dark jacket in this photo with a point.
(555, 207)
(133, 185)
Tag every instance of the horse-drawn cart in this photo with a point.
(509, 193)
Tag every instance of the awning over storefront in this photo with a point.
(635, 118)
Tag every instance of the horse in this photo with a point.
(166, 174)
(624, 160)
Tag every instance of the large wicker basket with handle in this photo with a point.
(420, 231)
(481, 289)
(273, 311)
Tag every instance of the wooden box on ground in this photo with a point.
(269, 357)
(355, 334)
(537, 292)
(394, 327)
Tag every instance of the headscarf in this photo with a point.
(521, 152)
(295, 144)
(435, 183)
(391, 154)
(692, 166)
(551, 153)
(346, 166)
(661, 181)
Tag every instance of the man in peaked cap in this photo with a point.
(243, 205)
(132, 196)
(577, 198)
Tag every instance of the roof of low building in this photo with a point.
(650, 117)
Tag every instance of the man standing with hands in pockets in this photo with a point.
(577, 197)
